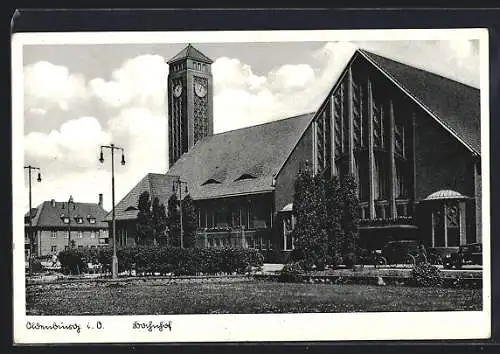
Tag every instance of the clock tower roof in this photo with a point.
(191, 53)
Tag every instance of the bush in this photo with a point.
(291, 272)
(164, 260)
(36, 265)
(426, 274)
(75, 261)
(349, 259)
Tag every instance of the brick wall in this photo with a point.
(285, 180)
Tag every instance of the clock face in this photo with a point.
(200, 89)
(177, 90)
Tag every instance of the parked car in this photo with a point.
(401, 251)
(470, 254)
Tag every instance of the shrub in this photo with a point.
(349, 259)
(426, 274)
(164, 260)
(36, 265)
(75, 261)
(291, 272)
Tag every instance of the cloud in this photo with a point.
(243, 98)
(74, 145)
(49, 86)
(140, 81)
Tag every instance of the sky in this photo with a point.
(80, 96)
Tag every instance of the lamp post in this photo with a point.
(30, 231)
(112, 147)
(178, 183)
(70, 201)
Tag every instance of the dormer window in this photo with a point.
(91, 219)
(131, 208)
(245, 176)
(64, 219)
(211, 181)
(78, 219)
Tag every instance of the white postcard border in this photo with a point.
(262, 327)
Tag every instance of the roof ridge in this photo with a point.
(410, 92)
(261, 124)
(126, 195)
(418, 68)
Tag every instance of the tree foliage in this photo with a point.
(144, 223)
(189, 221)
(173, 221)
(310, 233)
(159, 222)
(326, 215)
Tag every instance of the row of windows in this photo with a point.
(382, 210)
(195, 65)
(79, 234)
(381, 111)
(78, 219)
(54, 248)
(251, 217)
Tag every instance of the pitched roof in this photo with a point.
(256, 153)
(454, 104)
(192, 53)
(49, 215)
(158, 185)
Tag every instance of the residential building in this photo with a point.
(52, 221)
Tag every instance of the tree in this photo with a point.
(189, 221)
(159, 219)
(350, 217)
(310, 232)
(173, 221)
(144, 220)
(334, 210)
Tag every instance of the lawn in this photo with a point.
(153, 298)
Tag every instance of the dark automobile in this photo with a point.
(469, 254)
(401, 252)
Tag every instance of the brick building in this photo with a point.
(410, 137)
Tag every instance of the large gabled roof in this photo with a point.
(455, 105)
(191, 53)
(241, 161)
(48, 214)
(158, 185)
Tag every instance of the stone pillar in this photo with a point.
(350, 132)
(332, 134)
(462, 224)
(371, 157)
(392, 164)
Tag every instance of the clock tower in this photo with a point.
(190, 101)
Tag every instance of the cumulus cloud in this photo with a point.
(74, 145)
(139, 81)
(49, 86)
(243, 98)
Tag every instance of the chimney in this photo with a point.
(100, 200)
(53, 203)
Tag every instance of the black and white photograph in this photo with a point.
(251, 185)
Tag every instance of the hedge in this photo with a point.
(164, 260)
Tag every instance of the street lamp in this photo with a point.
(112, 147)
(178, 183)
(30, 231)
(67, 219)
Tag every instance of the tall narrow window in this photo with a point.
(358, 115)
(337, 112)
(381, 191)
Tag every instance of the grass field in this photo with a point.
(151, 298)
